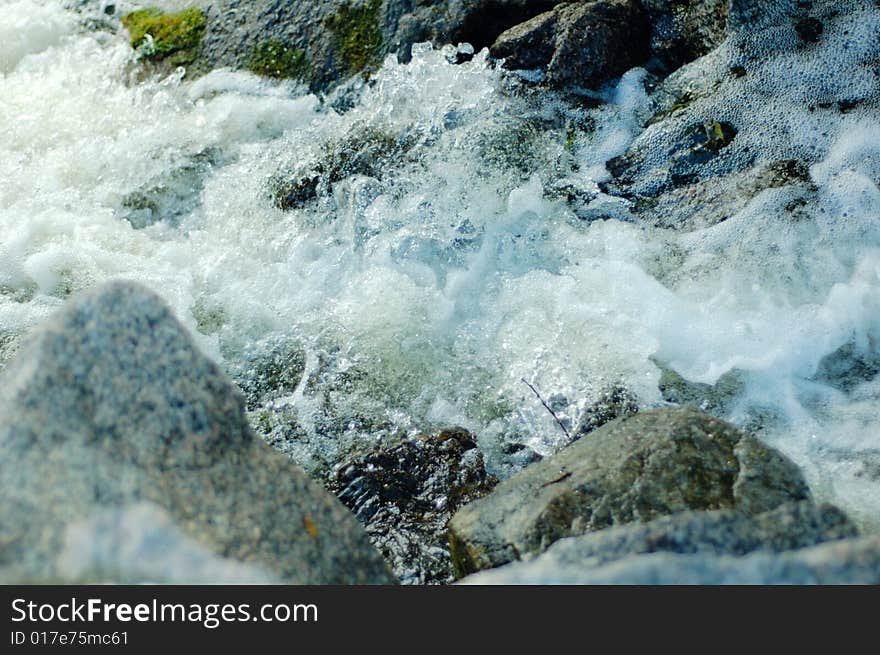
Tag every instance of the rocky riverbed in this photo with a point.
(382, 291)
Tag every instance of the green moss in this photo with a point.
(175, 37)
(275, 59)
(357, 34)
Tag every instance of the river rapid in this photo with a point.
(425, 294)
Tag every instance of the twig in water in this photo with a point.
(547, 407)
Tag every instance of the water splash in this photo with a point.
(481, 252)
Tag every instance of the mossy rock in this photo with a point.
(175, 37)
(357, 35)
(275, 59)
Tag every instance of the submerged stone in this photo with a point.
(365, 152)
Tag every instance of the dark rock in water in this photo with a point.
(479, 22)
(706, 154)
(175, 194)
(579, 44)
(845, 561)
(707, 203)
(638, 468)
(710, 398)
(529, 45)
(685, 30)
(706, 141)
(614, 403)
(809, 29)
(848, 367)
(167, 38)
(723, 532)
(274, 370)
(406, 494)
(322, 43)
(618, 35)
(110, 403)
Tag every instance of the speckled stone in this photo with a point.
(110, 403)
(639, 468)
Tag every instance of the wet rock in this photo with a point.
(173, 195)
(705, 154)
(847, 561)
(579, 44)
(848, 367)
(272, 370)
(683, 30)
(616, 402)
(110, 404)
(322, 43)
(529, 45)
(723, 532)
(364, 152)
(698, 144)
(638, 468)
(710, 398)
(405, 495)
(809, 29)
(707, 203)
(166, 39)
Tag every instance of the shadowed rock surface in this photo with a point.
(110, 403)
(635, 469)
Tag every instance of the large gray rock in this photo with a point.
(721, 532)
(110, 403)
(848, 561)
(579, 44)
(638, 468)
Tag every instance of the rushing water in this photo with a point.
(425, 294)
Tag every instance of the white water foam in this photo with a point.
(426, 296)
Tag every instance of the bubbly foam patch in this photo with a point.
(425, 292)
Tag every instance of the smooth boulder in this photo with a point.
(638, 468)
(110, 403)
